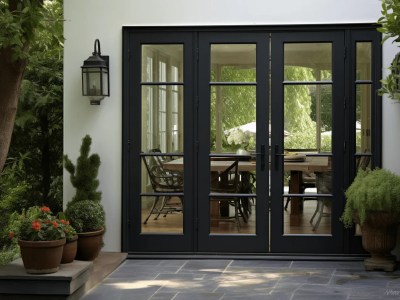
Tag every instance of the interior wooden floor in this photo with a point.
(173, 223)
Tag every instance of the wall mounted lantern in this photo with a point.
(95, 76)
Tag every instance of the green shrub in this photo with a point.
(8, 254)
(84, 173)
(372, 190)
(85, 215)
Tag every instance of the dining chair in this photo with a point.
(224, 185)
(324, 186)
(308, 180)
(164, 182)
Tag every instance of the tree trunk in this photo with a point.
(11, 74)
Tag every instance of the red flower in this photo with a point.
(65, 222)
(11, 235)
(55, 224)
(36, 225)
(45, 209)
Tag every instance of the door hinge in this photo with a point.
(344, 103)
(197, 54)
(344, 146)
(345, 53)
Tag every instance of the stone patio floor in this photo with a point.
(192, 279)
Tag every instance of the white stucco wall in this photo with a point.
(90, 19)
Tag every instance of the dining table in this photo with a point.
(308, 164)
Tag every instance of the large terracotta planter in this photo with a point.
(70, 249)
(41, 257)
(89, 245)
(379, 233)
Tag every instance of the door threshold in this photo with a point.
(250, 256)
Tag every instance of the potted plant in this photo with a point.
(373, 201)
(71, 245)
(84, 211)
(88, 218)
(41, 238)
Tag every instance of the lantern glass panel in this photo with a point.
(105, 87)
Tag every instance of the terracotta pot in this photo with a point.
(41, 257)
(69, 251)
(89, 245)
(379, 233)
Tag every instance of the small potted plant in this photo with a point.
(373, 201)
(88, 218)
(71, 245)
(41, 238)
(85, 211)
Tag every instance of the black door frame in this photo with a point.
(132, 240)
(306, 243)
(258, 242)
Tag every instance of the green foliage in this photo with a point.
(390, 19)
(15, 194)
(8, 254)
(39, 121)
(390, 27)
(19, 21)
(36, 224)
(372, 190)
(84, 174)
(86, 215)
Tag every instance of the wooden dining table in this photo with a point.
(311, 164)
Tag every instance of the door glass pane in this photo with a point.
(308, 118)
(233, 63)
(363, 71)
(307, 136)
(363, 127)
(162, 63)
(308, 131)
(233, 118)
(308, 62)
(162, 134)
(232, 130)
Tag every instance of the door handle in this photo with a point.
(277, 155)
(262, 157)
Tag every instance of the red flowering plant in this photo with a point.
(37, 224)
(70, 232)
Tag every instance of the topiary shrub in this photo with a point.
(84, 174)
(85, 215)
(372, 190)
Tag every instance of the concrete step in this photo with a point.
(71, 282)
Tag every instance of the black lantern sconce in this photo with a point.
(96, 76)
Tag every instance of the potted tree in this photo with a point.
(84, 211)
(373, 201)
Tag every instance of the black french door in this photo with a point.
(269, 114)
(307, 101)
(233, 92)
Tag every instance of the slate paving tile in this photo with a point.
(198, 296)
(245, 279)
(260, 264)
(328, 264)
(162, 296)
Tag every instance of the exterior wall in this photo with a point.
(90, 19)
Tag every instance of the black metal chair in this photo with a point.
(224, 186)
(163, 182)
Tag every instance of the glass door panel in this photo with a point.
(232, 212)
(363, 97)
(304, 90)
(162, 186)
(232, 130)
